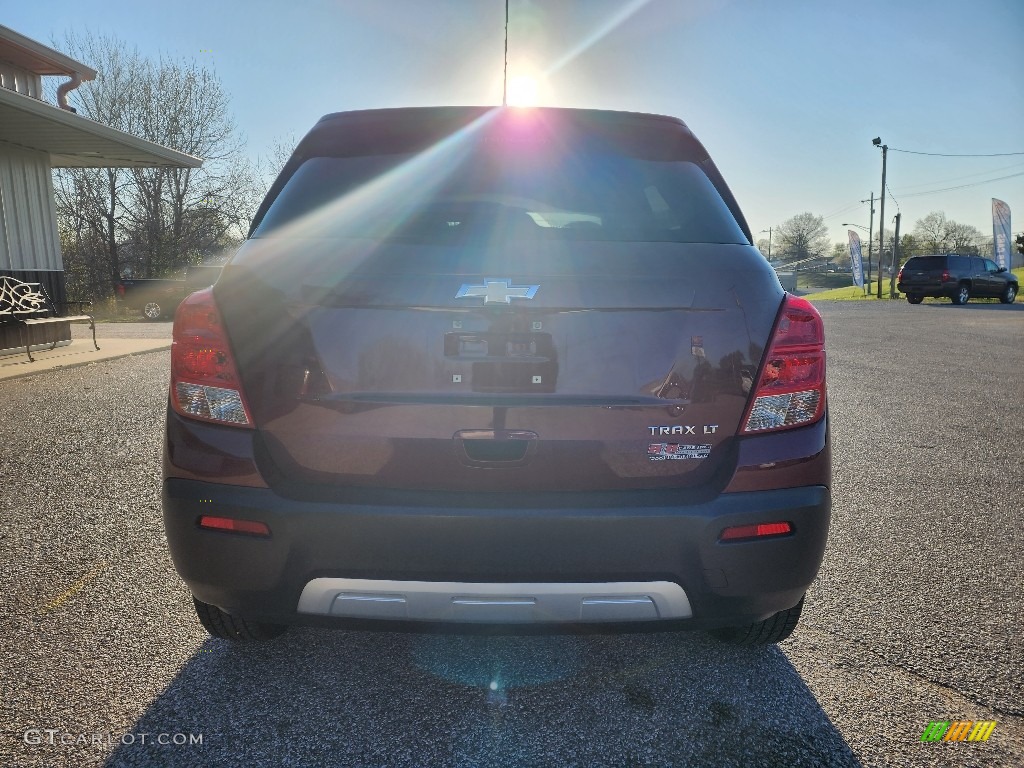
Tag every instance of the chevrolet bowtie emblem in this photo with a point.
(497, 291)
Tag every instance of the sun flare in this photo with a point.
(523, 91)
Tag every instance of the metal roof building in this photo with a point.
(36, 137)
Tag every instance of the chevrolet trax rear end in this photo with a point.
(479, 366)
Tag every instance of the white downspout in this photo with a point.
(65, 88)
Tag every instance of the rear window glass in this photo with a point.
(450, 196)
(926, 262)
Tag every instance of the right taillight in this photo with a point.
(791, 389)
(204, 378)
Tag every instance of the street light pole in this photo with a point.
(881, 227)
(769, 231)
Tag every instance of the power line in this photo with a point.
(958, 178)
(841, 211)
(962, 186)
(942, 154)
(893, 198)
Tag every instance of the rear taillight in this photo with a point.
(899, 276)
(791, 389)
(204, 379)
(945, 275)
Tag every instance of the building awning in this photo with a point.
(40, 59)
(74, 141)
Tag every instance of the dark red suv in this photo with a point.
(503, 367)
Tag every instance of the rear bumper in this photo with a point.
(934, 290)
(599, 555)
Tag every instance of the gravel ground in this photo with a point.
(915, 616)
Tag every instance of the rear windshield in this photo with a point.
(457, 195)
(930, 263)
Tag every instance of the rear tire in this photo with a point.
(962, 295)
(1009, 294)
(227, 627)
(774, 629)
(152, 311)
(914, 299)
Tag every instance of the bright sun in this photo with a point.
(523, 91)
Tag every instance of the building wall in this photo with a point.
(28, 219)
(29, 246)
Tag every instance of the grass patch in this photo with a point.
(824, 280)
(851, 293)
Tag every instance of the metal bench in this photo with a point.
(28, 305)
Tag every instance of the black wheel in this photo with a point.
(152, 311)
(1009, 294)
(912, 299)
(962, 295)
(774, 629)
(228, 627)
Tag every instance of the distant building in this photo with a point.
(36, 137)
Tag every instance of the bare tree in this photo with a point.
(930, 231)
(936, 234)
(963, 238)
(91, 201)
(184, 212)
(803, 236)
(153, 220)
(841, 254)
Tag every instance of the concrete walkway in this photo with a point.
(79, 352)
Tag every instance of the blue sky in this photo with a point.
(786, 95)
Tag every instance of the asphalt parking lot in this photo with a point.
(915, 616)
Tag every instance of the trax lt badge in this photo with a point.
(683, 429)
(497, 291)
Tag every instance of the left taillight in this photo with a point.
(204, 378)
(791, 389)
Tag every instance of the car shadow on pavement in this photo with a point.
(317, 697)
(978, 306)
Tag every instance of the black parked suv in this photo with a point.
(957, 277)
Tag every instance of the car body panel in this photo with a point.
(623, 356)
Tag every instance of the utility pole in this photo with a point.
(871, 235)
(895, 260)
(504, 80)
(881, 217)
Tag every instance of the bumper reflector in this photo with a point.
(231, 525)
(758, 531)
